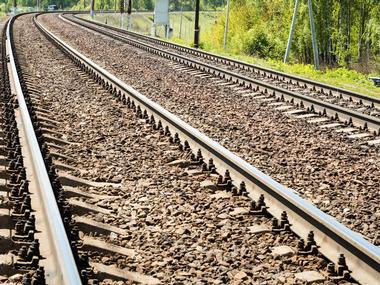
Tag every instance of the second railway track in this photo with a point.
(250, 68)
(349, 107)
(196, 220)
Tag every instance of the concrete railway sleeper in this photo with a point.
(354, 257)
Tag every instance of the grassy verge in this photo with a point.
(186, 34)
(140, 22)
(3, 17)
(341, 77)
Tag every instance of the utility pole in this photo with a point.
(196, 28)
(129, 14)
(294, 19)
(92, 8)
(14, 7)
(180, 23)
(226, 26)
(101, 6)
(313, 35)
(121, 14)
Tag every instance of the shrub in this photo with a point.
(259, 43)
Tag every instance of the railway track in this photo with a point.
(33, 234)
(241, 183)
(352, 109)
(361, 259)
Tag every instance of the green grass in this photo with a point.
(186, 35)
(341, 77)
(139, 22)
(3, 13)
(142, 23)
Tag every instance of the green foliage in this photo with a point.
(43, 4)
(3, 9)
(259, 43)
(250, 26)
(348, 32)
(149, 5)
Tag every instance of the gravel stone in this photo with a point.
(282, 250)
(258, 229)
(310, 277)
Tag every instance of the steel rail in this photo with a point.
(68, 270)
(333, 238)
(345, 115)
(323, 87)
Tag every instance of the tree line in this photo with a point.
(138, 5)
(348, 31)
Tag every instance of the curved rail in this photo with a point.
(345, 115)
(323, 87)
(68, 270)
(333, 239)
